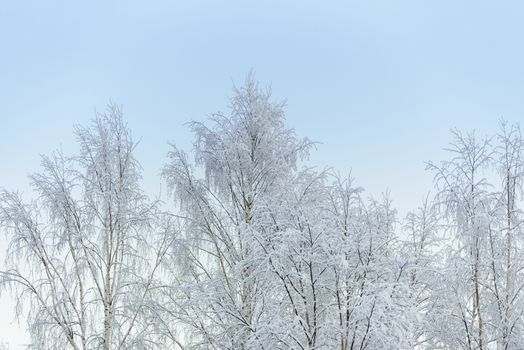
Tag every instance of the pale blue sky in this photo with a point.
(379, 83)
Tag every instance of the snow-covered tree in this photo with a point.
(275, 257)
(479, 292)
(245, 157)
(84, 252)
(506, 240)
(464, 197)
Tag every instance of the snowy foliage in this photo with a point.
(261, 252)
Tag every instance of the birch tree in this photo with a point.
(245, 157)
(464, 196)
(485, 247)
(506, 245)
(84, 252)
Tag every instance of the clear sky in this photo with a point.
(379, 83)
